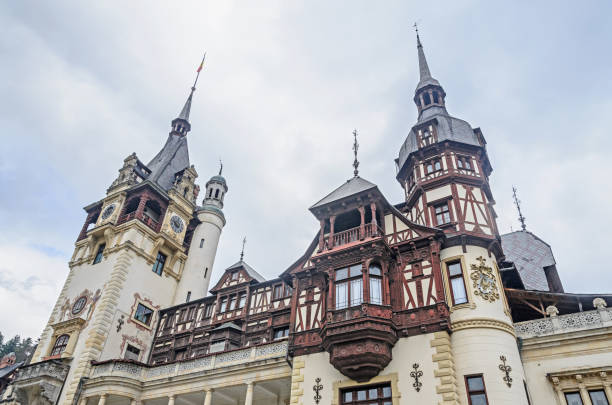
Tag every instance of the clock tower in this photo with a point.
(148, 244)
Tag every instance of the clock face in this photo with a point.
(176, 223)
(108, 211)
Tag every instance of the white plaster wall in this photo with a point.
(199, 259)
(406, 352)
(438, 193)
(477, 351)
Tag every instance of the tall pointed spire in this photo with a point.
(181, 124)
(429, 93)
(425, 77)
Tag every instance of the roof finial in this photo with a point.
(242, 252)
(220, 167)
(355, 149)
(517, 202)
(416, 28)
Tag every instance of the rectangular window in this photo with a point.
(288, 290)
(464, 162)
(349, 286)
(143, 314)
(223, 305)
(99, 254)
(433, 165)
(201, 243)
(598, 397)
(370, 395)
(455, 277)
(442, 214)
(242, 300)
(281, 333)
(573, 398)
(131, 353)
(208, 311)
(232, 303)
(375, 273)
(278, 292)
(477, 393)
(158, 266)
(235, 275)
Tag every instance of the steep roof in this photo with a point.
(530, 255)
(353, 186)
(173, 158)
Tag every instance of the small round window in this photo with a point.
(79, 305)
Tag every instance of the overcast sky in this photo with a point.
(84, 84)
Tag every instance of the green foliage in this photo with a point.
(23, 348)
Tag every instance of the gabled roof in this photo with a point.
(353, 186)
(250, 271)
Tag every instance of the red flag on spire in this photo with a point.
(201, 64)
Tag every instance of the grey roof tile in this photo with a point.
(351, 187)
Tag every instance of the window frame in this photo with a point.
(348, 280)
(380, 399)
(602, 390)
(151, 314)
(241, 301)
(127, 349)
(450, 281)
(156, 266)
(61, 346)
(436, 165)
(464, 163)
(223, 304)
(572, 392)
(469, 393)
(447, 212)
(379, 278)
(280, 295)
(99, 254)
(284, 333)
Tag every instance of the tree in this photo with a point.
(23, 348)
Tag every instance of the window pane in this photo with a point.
(372, 393)
(341, 295)
(355, 270)
(375, 270)
(598, 397)
(375, 291)
(356, 292)
(454, 269)
(478, 399)
(341, 274)
(458, 290)
(361, 395)
(348, 396)
(573, 398)
(386, 392)
(475, 384)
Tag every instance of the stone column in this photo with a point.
(608, 390)
(208, 397)
(141, 206)
(248, 399)
(102, 399)
(322, 235)
(171, 400)
(584, 394)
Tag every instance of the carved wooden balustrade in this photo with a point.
(150, 222)
(353, 235)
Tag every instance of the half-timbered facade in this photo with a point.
(419, 302)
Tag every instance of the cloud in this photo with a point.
(283, 88)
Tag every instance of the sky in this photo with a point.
(85, 84)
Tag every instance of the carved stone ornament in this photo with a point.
(484, 281)
(416, 374)
(599, 303)
(552, 311)
(506, 369)
(317, 389)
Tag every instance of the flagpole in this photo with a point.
(199, 70)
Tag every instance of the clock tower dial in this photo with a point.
(176, 223)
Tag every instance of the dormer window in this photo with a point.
(235, 275)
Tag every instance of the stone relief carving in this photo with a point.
(484, 281)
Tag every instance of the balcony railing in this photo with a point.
(150, 222)
(143, 372)
(598, 318)
(353, 235)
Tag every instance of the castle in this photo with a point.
(421, 302)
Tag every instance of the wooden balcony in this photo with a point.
(150, 222)
(352, 235)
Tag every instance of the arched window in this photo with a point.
(426, 99)
(217, 193)
(132, 205)
(375, 273)
(435, 97)
(60, 345)
(210, 190)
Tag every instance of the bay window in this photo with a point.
(349, 286)
(375, 273)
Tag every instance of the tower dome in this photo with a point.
(216, 188)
